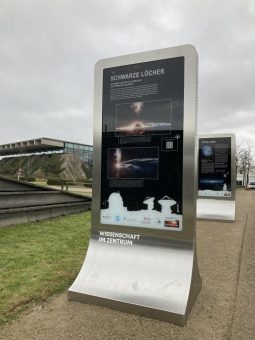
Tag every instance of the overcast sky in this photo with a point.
(48, 49)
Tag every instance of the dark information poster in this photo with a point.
(215, 167)
(142, 144)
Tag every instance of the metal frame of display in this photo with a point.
(224, 211)
(158, 277)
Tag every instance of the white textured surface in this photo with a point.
(142, 275)
(213, 209)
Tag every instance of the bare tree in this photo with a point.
(245, 161)
(238, 162)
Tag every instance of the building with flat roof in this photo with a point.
(48, 145)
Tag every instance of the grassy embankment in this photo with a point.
(40, 259)
(76, 189)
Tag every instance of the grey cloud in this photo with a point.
(48, 50)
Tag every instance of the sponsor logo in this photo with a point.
(117, 218)
(172, 224)
(146, 220)
(106, 217)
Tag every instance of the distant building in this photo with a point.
(49, 145)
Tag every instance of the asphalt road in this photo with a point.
(224, 309)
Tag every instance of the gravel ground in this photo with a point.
(223, 310)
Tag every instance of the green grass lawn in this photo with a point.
(40, 259)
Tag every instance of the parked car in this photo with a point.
(251, 185)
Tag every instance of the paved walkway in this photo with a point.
(224, 310)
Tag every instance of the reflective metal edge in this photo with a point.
(129, 308)
(233, 181)
(81, 290)
(132, 280)
(233, 161)
(189, 147)
(214, 212)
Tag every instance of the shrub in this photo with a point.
(31, 179)
(55, 181)
(27, 179)
(88, 185)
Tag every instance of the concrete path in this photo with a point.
(224, 310)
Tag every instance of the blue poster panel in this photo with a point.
(215, 167)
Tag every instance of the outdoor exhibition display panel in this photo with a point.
(142, 253)
(216, 177)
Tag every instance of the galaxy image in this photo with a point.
(139, 118)
(207, 151)
(211, 183)
(215, 164)
(132, 163)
